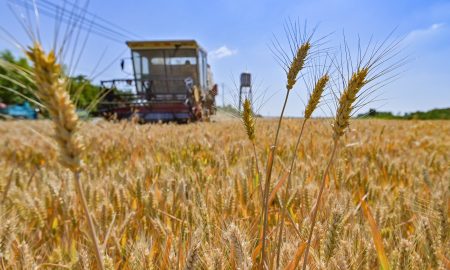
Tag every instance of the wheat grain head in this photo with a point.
(348, 97)
(249, 120)
(316, 94)
(297, 64)
(51, 91)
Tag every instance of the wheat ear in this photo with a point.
(332, 238)
(315, 96)
(248, 120)
(192, 258)
(239, 248)
(51, 90)
(348, 97)
(297, 64)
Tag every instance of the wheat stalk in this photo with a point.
(313, 101)
(248, 119)
(348, 97)
(294, 69)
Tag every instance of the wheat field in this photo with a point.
(188, 196)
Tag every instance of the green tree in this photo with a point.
(13, 78)
(84, 92)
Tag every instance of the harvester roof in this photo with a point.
(164, 44)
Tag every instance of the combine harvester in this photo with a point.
(172, 82)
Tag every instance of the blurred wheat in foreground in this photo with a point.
(189, 200)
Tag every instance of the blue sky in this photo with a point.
(237, 33)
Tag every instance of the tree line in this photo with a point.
(434, 114)
(11, 81)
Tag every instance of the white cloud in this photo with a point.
(222, 52)
(423, 34)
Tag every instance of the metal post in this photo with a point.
(223, 95)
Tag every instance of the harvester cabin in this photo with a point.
(163, 68)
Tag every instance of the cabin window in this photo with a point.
(181, 61)
(166, 69)
(145, 66)
(174, 61)
(157, 61)
(137, 64)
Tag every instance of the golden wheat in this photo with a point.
(348, 97)
(248, 120)
(297, 64)
(316, 95)
(190, 163)
(51, 91)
